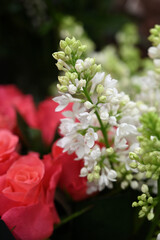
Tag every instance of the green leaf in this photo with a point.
(31, 137)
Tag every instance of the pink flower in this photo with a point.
(70, 180)
(48, 120)
(8, 144)
(12, 99)
(26, 198)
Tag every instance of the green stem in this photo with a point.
(157, 215)
(99, 119)
(73, 216)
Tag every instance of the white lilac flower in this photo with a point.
(85, 119)
(90, 137)
(64, 100)
(98, 78)
(67, 126)
(83, 172)
(79, 66)
(72, 89)
(158, 236)
(77, 108)
(109, 82)
(154, 52)
(79, 147)
(88, 105)
(107, 177)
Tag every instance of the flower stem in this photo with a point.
(157, 215)
(99, 119)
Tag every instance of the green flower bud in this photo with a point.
(145, 209)
(133, 156)
(149, 174)
(82, 48)
(129, 177)
(141, 214)
(144, 188)
(150, 200)
(75, 45)
(62, 88)
(90, 177)
(133, 165)
(134, 204)
(109, 151)
(68, 50)
(143, 197)
(150, 216)
(99, 68)
(59, 55)
(102, 99)
(141, 168)
(63, 44)
(68, 40)
(97, 168)
(63, 80)
(96, 175)
(140, 203)
(100, 89)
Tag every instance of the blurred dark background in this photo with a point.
(29, 34)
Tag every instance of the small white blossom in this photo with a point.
(90, 137)
(72, 89)
(82, 83)
(104, 115)
(79, 66)
(63, 101)
(158, 236)
(98, 77)
(88, 105)
(83, 172)
(109, 82)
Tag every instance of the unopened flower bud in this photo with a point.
(72, 89)
(90, 177)
(68, 50)
(134, 204)
(109, 151)
(63, 44)
(152, 52)
(102, 99)
(88, 105)
(150, 216)
(97, 168)
(144, 188)
(62, 88)
(100, 89)
(157, 62)
(124, 184)
(150, 200)
(82, 48)
(84, 172)
(133, 165)
(96, 175)
(82, 83)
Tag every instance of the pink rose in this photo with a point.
(12, 99)
(26, 198)
(48, 119)
(8, 144)
(70, 181)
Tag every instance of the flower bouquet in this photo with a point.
(93, 147)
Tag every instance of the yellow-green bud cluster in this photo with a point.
(146, 202)
(146, 158)
(95, 175)
(155, 35)
(78, 72)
